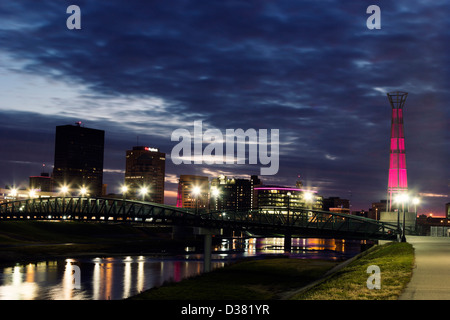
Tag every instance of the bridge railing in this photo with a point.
(85, 208)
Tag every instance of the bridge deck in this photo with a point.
(300, 222)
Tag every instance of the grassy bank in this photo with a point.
(395, 261)
(283, 278)
(245, 280)
(34, 240)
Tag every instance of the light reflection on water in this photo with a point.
(121, 277)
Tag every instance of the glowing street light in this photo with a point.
(143, 191)
(13, 192)
(32, 193)
(83, 191)
(124, 191)
(196, 192)
(402, 198)
(64, 190)
(308, 197)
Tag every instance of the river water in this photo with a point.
(120, 277)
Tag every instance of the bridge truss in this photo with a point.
(296, 223)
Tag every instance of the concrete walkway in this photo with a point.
(431, 275)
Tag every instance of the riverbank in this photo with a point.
(285, 278)
(29, 241)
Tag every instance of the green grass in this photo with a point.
(245, 280)
(396, 262)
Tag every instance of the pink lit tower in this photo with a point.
(398, 182)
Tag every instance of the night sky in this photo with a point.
(312, 69)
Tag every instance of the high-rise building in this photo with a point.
(193, 192)
(145, 168)
(397, 182)
(275, 199)
(231, 194)
(78, 161)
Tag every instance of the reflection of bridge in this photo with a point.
(297, 222)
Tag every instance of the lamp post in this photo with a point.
(402, 198)
(143, 191)
(64, 190)
(83, 191)
(196, 191)
(124, 191)
(415, 202)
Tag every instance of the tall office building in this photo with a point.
(275, 199)
(193, 192)
(78, 161)
(145, 168)
(231, 194)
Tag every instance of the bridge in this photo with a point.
(293, 223)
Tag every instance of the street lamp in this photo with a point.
(83, 191)
(32, 193)
(415, 202)
(196, 192)
(143, 191)
(64, 190)
(403, 198)
(124, 191)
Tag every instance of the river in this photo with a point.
(120, 277)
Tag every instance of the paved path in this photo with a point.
(431, 275)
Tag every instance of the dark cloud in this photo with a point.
(311, 69)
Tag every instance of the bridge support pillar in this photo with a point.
(207, 233)
(287, 243)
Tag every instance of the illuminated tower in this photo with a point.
(397, 182)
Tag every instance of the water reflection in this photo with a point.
(121, 277)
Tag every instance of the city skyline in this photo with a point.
(313, 71)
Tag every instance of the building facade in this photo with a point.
(193, 192)
(78, 159)
(231, 194)
(145, 168)
(275, 199)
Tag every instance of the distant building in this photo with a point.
(231, 194)
(78, 161)
(193, 192)
(433, 226)
(276, 199)
(41, 183)
(336, 204)
(376, 209)
(447, 210)
(145, 167)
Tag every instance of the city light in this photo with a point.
(308, 196)
(32, 193)
(13, 192)
(64, 189)
(416, 201)
(124, 189)
(196, 191)
(143, 191)
(215, 192)
(83, 191)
